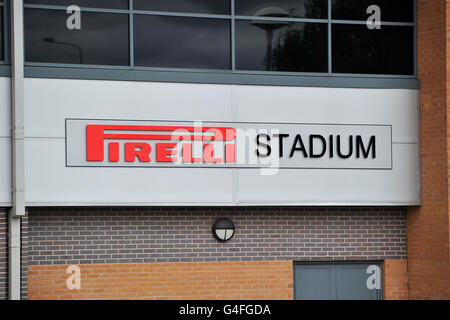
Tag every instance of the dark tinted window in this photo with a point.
(283, 8)
(193, 6)
(391, 10)
(298, 47)
(179, 42)
(103, 38)
(356, 49)
(109, 4)
(2, 55)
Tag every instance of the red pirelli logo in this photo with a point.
(97, 135)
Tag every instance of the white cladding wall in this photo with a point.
(48, 102)
(5, 141)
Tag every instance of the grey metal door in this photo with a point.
(335, 281)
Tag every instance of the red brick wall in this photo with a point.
(428, 226)
(267, 280)
(188, 280)
(395, 279)
(447, 9)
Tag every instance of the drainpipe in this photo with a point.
(17, 136)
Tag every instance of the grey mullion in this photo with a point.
(75, 65)
(330, 53)
(282, 73)
(219, 78)
(84, 9)
(281, 19)
(222, 71)
(233, 37)
(186, 70)
(383, 23)
(334, 277)
(131, 32)
(415, 59)
(378, 76)
(5, 34)
(325, 74)
(181, 14)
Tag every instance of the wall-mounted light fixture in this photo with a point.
(223, 229)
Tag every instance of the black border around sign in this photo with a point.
(229, 167)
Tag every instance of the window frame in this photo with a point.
(231, 76)
(4, 7)
(5, 64)
(380, 293)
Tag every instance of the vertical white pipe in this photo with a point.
(14, 259)
(17, 134)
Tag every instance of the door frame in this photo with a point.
(379, 263)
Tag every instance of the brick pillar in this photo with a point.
(428, 225)
(395, 278)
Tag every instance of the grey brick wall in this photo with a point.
(134, 235)
(3, 254)
(24, 258)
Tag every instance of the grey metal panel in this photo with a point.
(334, 281)
(314, 282)
(5, 71)
(221, 78)
(351, 283)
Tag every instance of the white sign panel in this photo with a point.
(133, 143)
(115, 143)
